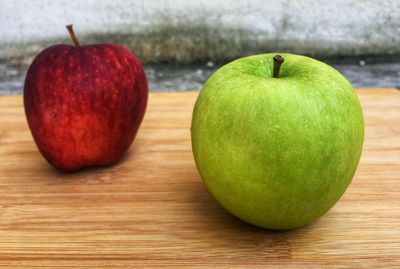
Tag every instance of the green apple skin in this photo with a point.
(277, 152)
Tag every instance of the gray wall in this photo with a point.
(186, 31)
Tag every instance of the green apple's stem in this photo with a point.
(278, 60)
(72, 34)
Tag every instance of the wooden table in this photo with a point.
(151, 209)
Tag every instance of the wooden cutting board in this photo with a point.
(151, 209)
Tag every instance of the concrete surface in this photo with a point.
(186, 31)
(170, 77)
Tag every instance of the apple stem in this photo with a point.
(278, 60)
(72, 34)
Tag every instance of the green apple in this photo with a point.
(277, 147)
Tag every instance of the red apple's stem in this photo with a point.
(278, 60)
(72, 34)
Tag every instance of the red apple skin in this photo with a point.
(84, 104)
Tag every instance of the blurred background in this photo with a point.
(181, 43)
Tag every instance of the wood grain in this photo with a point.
(151, 209)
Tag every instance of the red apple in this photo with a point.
(84, 104)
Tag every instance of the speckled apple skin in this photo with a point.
(277, 152)
(84, 104)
